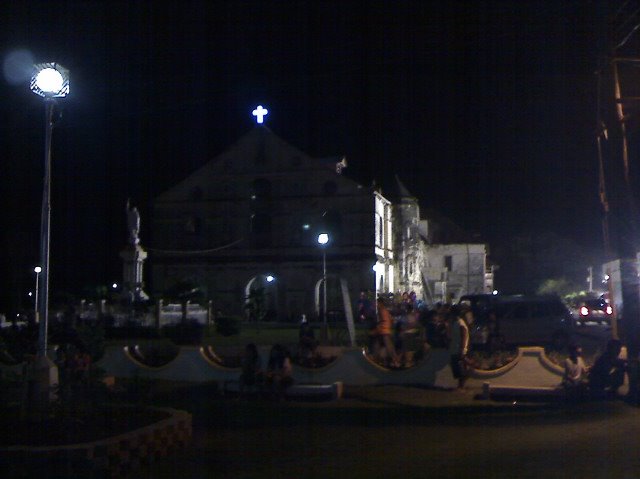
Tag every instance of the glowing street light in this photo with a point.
(49, 81)
(37, 270)
(270, 278)
(323, 240)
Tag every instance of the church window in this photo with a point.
(448, 262)
(260, 188)
(196, 194)
(261, 229)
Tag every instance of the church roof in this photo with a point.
(395, 190)
(258, 152)
(443, 230)
(401, 190)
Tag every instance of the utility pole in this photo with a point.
(628, 240)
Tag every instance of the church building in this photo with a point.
(251, 220)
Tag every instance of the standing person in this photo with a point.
(363, 307)
(384, 330)
(409, 335)
(460, 319)
(307, 343)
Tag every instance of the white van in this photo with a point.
(524, 319)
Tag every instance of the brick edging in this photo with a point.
(116, 455)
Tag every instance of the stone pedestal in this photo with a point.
(133, 257)
(42, 382)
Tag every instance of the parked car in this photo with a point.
(595, 309)
(524, 319)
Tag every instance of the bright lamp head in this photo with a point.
(323, 238)
(50, 80)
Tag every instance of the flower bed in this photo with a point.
(485, 361)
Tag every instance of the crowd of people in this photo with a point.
(401, 329)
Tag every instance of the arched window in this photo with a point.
(261, 229)
(193, 225)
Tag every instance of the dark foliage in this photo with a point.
(227, 325)
(190, 332)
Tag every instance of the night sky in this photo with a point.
(485, 109)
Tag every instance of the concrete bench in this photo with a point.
(296, 391)
(332, 391)
(490, 391)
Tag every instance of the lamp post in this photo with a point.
(323, 240)
(37, 270)
(49, 81)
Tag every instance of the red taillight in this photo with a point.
(609, 310)
(584, 311)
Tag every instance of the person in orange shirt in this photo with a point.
(384, 329)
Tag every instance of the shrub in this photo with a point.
(190, 332)
(228, 325)
(131, 330)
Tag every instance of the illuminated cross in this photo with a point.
(260, 113)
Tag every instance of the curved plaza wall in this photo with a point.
(531, 368)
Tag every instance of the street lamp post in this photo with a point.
(37, 270)
(323, 240)
(49, 81)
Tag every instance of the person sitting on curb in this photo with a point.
(574, 380)
(279, 370)
(251, 376)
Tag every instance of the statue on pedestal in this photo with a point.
(133, 257)
(133, 224)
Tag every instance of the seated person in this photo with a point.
(307, 343)
(278, 375)
(251, 368)
(575, 371)
(495, 340)
(436, 328)
(607, 374)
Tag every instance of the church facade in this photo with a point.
(249, 220)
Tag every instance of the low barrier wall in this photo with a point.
(352, 366)
(531, 367)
